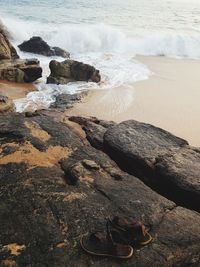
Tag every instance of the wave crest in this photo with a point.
(104, 38)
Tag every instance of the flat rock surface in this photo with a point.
(43, 215)
(163, 161)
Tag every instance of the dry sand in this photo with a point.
(168, 99)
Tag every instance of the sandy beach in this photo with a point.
(15, 90)
(168, 99)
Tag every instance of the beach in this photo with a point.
(15, 90)
(168, 99)
(99, 133)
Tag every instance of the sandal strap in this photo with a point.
(135, 227)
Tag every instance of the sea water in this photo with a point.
(105, 33)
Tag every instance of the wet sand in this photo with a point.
(15, 90)
(168, 99)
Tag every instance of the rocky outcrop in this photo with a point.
(163, 161)
(20, 70)
(6, 104)
(7, 51)
(65, 101)
(55, 187)
(70, 71)
(11, 67)
(38, 46)
(94, 129)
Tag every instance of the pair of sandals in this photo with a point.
(118, 241)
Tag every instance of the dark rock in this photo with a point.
(30, 114)
(180, 173)
(60, 52)
(162, 160)
(43, 217)
(38, 46)
(20, 70)
(14, 129)
(94, 129)
(65, 101)
(84, 72)
(90, 164)
(71, 70)
(94, 133)
(8, 150)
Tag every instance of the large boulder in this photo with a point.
(160, 159)
(20, 70)
(38, 46)
(7, 51)
(71, 70)
(55, 188)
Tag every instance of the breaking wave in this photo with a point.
(109, 49)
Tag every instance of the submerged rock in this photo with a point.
(38, 46)
(20, 70)
(71, 70)
(65, 101)
(55, 188)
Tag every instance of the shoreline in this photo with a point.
(16, 90)
(169, 99)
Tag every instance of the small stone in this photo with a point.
(90, 164)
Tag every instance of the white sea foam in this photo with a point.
(107, 48)
(108, 39)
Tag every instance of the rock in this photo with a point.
(60, 52)
(84, 72)
(4, 31)
(160, 159)
(20, 70)
(65, 101)
(94, 129)
(43, 217)
(90, 164)
(71, 70)
(180, 172)
(6, 104)
(7, 51)
(38, 46)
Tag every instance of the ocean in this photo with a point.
(107, 34)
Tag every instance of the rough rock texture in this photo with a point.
(163, 161)
(20, 70)
(71, 70)
(65, 101)
(38, 46)
(94, 129)
(55, 187)
(7, 51)
(6, 104)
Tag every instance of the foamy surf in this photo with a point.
(108, 48)
(115, 71)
